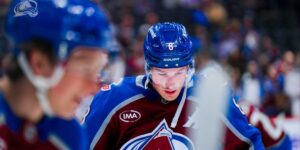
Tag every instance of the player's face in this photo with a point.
(168, 82)
(80, 80)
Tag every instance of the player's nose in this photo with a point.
(171, 84)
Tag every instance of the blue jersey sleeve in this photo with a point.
(237, 122)
(97, 114)
(285, 144)
(64, 134)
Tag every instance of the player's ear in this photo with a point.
(40, 63)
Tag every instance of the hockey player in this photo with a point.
(142, 112)
(57, 53)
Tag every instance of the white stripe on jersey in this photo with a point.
(57, 142)
(237, 133)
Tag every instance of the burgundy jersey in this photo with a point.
(272, 135)
(127, 115)
(49, 133)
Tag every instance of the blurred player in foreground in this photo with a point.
(273, 136)
(57, 54)
(152, 111)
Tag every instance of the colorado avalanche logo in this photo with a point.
(161, 138)
(26, 7)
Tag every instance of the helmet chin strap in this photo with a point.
(41, 84)
(183, 98)
(147, 70)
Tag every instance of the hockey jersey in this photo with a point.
(273, 136)
(127, 115)
(49, 133)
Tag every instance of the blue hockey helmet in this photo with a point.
(167, 45)
(65, 24)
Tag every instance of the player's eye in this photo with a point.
(161, 73)
(179, 73)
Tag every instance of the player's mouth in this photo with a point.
(170, 92)
(77, 102)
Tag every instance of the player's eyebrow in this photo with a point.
(183, 68)
(158, 69)
(163, 70)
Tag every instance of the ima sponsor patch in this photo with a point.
(130, 116)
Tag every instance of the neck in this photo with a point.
(22, 99)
